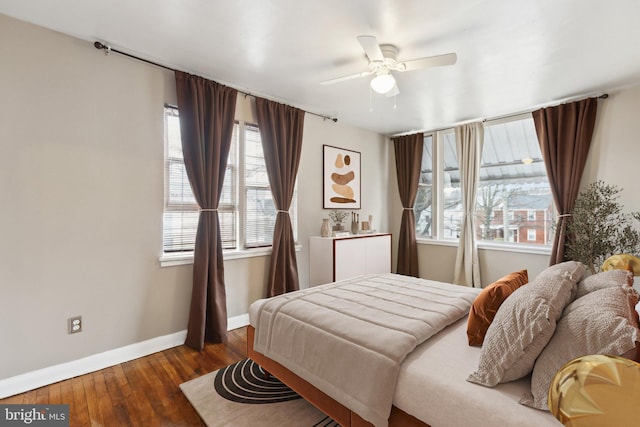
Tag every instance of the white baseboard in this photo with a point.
(52, 374)
(237, 321)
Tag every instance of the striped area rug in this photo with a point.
(243, 394)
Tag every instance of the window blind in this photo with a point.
(181, 211)
(260, 211)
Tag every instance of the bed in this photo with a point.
(391, 350)
(430, 388)
(450, 401)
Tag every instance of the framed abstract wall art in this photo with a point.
(341, 178)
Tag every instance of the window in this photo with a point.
(424, 200)
(531, 234)
(181, 212)
(254, 209)
(451, 195)
(180, 218)
(513, 180)
(260, 210)
(440, 189)
(513, 189)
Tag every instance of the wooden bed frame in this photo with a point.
(340, 413)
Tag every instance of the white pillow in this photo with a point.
(604, 279)
(524, 324)
(601, 322)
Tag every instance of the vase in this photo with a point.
(325, 230)
(355, 226)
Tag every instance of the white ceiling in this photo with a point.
(513, 55)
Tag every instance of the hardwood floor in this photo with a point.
(141, 392)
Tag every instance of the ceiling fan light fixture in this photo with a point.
(383, 83)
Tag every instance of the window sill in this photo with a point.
(439, 242)
(515, 247)
(170, 260)
(505, 247)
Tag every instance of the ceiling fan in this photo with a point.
(383, 60)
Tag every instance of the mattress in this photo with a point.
(432, 387)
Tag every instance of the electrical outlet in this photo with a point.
(75, 324)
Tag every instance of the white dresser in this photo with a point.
(337, 258)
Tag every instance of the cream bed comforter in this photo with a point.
(349, 338)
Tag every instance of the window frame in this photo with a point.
(437, 198)
(246, 188)
(430, 187)
(437, 189)
(168, 160)
(239, 189)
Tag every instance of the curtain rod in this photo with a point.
(426, 131)
(109, 49)
(603, 96)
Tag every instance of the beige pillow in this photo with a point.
(524, 324)
(487, 303)
(604, 279)
(602, 322)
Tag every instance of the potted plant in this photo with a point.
(337, 217)
(598, 228)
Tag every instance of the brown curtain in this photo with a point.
(564, 133)
(408, 151)
(281, 129)
(207, 111)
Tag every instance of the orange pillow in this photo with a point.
(488, 301)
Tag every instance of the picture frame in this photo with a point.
(341, 178)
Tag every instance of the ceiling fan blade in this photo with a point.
(393, 92)
(342, 79)
(431, 61)
(371, 48)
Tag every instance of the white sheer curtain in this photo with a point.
(469, 140)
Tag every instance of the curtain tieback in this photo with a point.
(564, 216)
(278, 211)
(208, 210)
(407, 209)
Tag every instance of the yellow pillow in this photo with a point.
(488, 301)
(622, 262)
(596, 390)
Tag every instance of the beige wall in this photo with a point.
(614, 155)
(374, 171)
(437, 261)
(81, 183)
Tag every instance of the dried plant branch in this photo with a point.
(598, 228)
